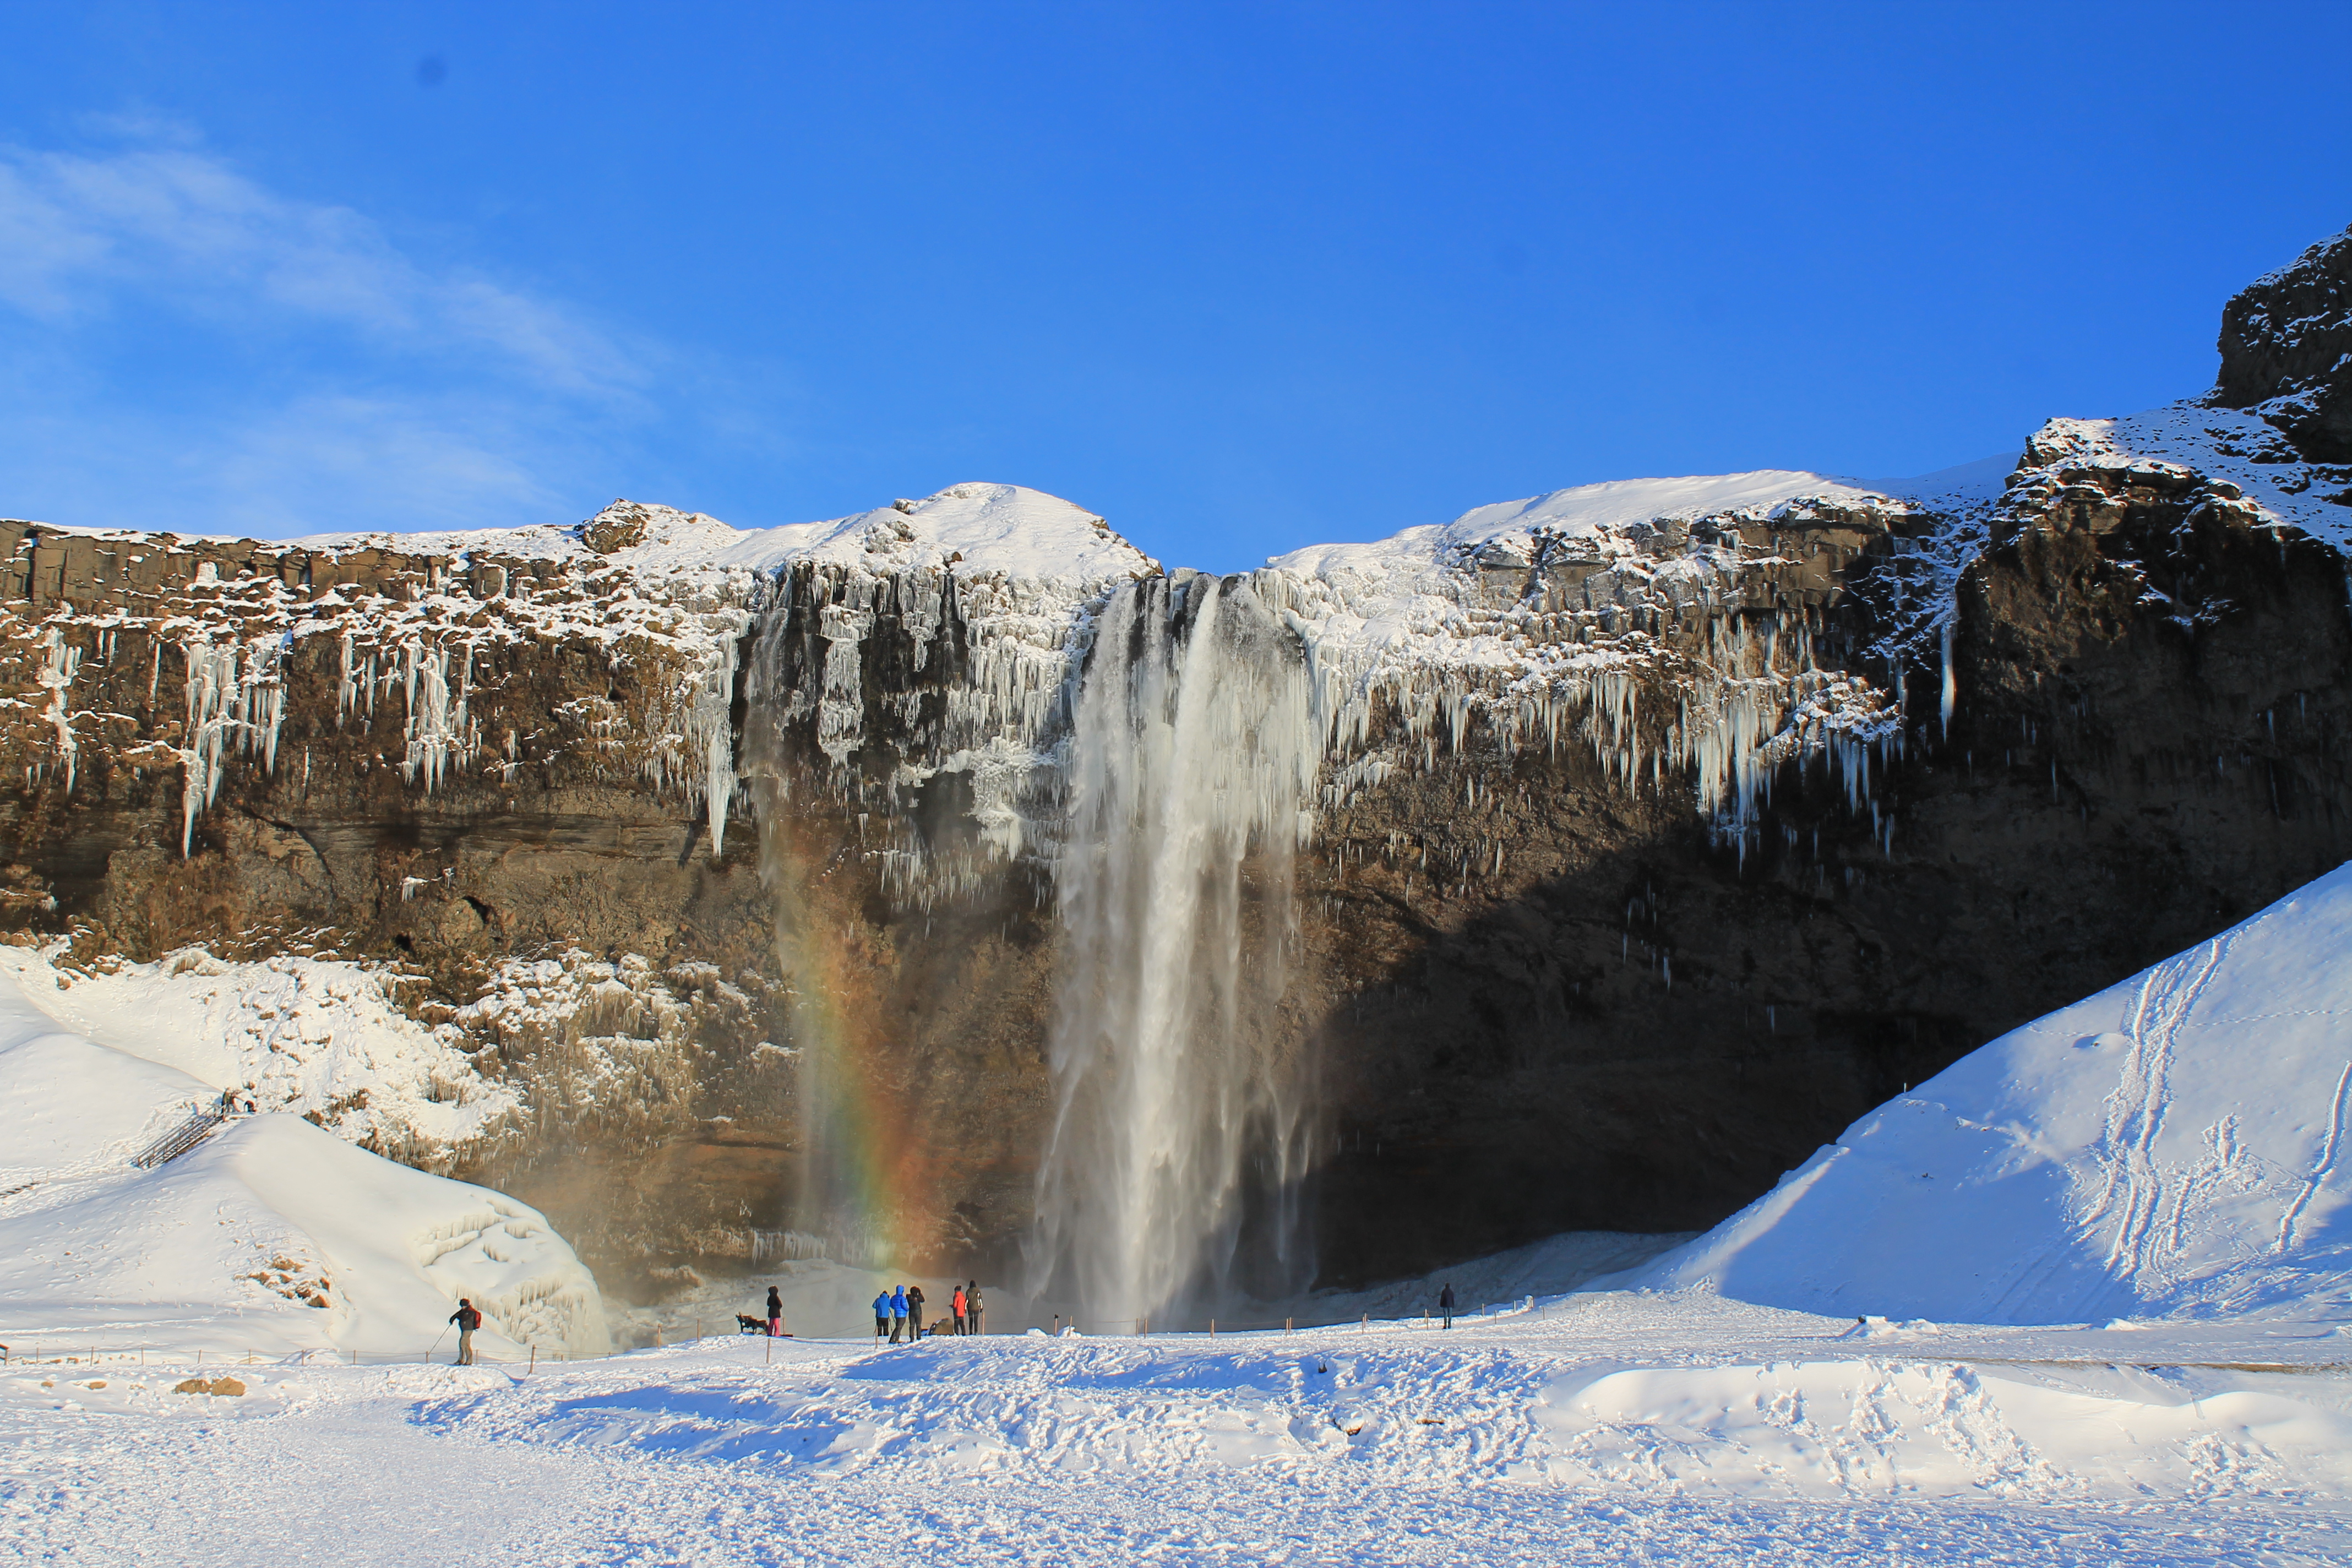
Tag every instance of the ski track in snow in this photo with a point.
(2325, 1168)
(2135, 1178)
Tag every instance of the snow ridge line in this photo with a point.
(2325, 1168)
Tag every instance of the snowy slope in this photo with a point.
(2175, 1146)
(318, 1038)
(270, 1234)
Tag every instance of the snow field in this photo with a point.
(1519, 1438)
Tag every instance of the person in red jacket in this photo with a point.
(956, 1305)
(467, 1321)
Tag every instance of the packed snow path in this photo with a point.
(1615, 1427)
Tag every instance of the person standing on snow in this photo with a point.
(881, 1314)
(898, 1313)
(971, 1304)
(914, 1313)
(1445, 1304)
(467, 1321)
(956, 1304)
(775, 1312)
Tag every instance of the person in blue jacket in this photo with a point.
(898, 1313)
(882, 1315)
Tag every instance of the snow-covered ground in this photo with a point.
(1615, 1428)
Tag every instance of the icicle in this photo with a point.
(57, 669)
(1951, 681)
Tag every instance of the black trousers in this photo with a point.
(914, 1322)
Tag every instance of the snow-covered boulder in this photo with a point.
(2174, 1146)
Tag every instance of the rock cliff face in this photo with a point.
(1659, 828)
(2286, 352)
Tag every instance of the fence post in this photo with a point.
(1213, 1328)
(534, 1360)
(1286, 1325)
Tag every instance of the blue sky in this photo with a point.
(1240, 277)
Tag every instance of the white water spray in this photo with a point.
(1179, 1142)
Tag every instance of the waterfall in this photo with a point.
(1171, 1176)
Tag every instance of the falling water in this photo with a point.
(1179, 1144)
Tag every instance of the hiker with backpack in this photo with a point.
(467, 1320)
(881, 1314)
(972, 1305)
(898, 1313)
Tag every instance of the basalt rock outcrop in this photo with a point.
(1660, 829)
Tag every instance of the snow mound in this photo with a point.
(1523, 1402)
(269, 1235)
(977, 528)
(2173, 1147)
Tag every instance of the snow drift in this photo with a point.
(268, 1234)
(2174, 1146)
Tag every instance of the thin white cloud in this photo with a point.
(287, 367)
(180, 227)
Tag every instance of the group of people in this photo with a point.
(899, 1310)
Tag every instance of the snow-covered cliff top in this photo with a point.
(1004, 529)
(1505, 532)
(2239, 448)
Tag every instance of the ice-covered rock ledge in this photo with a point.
(137, 654)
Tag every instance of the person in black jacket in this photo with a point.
(1445, 1304)
(775, 1312)
(972, 1305)
(467, 1321)
(914, 1312)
